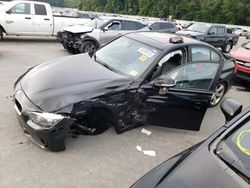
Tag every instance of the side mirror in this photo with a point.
(8, 11)
(164, 83)
(230, 108)
(105, 28)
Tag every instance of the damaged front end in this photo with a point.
(70, 41)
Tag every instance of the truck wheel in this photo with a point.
(88, 46)
(227, 47)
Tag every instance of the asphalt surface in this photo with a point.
(107, 160)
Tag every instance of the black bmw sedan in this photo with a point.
(140, 78)
(223, 160)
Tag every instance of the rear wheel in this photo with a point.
(227, 47)
(218, 94)
(88, 46)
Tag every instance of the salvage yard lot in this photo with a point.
(107, 160)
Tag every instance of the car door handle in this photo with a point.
(46, 19)
(28, 18)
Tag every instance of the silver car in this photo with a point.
(98, 32)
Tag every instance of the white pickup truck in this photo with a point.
(24, 18)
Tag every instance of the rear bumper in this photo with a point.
(52, 139)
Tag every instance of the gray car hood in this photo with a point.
(78, 29)
(59, 83)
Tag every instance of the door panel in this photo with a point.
(113, 32)
(183, 106)
(43, 22)
(19, 19)
(176, 108)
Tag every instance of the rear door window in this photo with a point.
(166, 26)
(204, 54)
(130, 25)
(221, 30)
(40, 9)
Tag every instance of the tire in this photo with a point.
(88, 46)
(1, 35)
(218, 94)
(227, 47)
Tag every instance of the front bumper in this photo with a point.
(243, 72)
(69, 41)
(52, 138)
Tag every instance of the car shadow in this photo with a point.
(241, 85)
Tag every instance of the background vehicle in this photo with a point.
(240, 32)
(32, 18)
(242, 56)
(141, 78)
(98, 32)
(222, 160)
(162, 26)
(216, 35)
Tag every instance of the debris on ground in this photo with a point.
(145, 131)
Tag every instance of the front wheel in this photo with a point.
(227, 47)
(218, 94)
(88, 46)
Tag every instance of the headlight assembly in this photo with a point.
(43, 119)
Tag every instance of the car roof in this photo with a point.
(121, 18)
(161, 40)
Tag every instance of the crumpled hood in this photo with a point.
(78, 29)
(59, 83)
(188, 33)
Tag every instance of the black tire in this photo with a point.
(1, 35)
(218, 94)
(88, 46)
(227, 47)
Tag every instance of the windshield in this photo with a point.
(198, 27)
(96, 23)
(235, 149)
(127, 56)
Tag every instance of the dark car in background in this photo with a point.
(216, 35)
(242, 56)
(222, 160)
(140, 78)
(162, 26)
(98, 32)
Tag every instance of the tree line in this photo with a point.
(216, 11)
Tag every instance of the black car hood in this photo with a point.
(199, 169)
(189, 33)
(59, 83)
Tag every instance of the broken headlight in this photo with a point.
(43, 119)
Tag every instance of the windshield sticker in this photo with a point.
(133, 73)
(143, 58)
(146, 52)
(242, 143)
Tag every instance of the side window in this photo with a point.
(221, 30)
(21, 8)
(155, 26)
(129, 25)
(168, 62)
(213, 31)
(194, 76)
(40, 9)
(166, 26)
(115, 25)
(204, 54)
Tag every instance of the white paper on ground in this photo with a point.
(144, 131)
(139, 148)
(149, 153)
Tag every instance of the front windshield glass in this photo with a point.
(96, 23)
(235, 148)
(198, 27)
(127, 56)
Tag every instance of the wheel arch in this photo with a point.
(88, 38)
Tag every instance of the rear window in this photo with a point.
(40, 9)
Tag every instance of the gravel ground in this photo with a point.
(107, 160)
